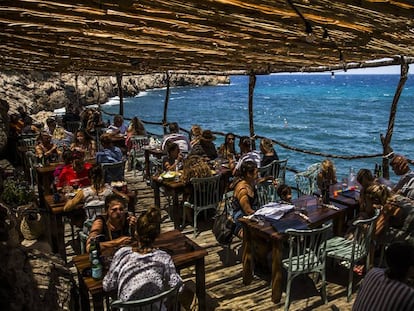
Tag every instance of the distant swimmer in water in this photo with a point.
(285, 122)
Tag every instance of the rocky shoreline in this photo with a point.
(42, 92)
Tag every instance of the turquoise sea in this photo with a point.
(340, 115)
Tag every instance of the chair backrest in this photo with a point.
(137, 142)
(306, 180)
(156, 302)
(114, 171)
(228, 201)
(29, 142)
(307, 248)
(93, 210)
(73, 126)
(206, 192)
(277, 169)
(266, 192)
(362, 236)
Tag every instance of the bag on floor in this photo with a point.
(223, 227)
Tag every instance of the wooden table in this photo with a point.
(175, 188)
(148, 151)
(56, 227)
(184, 252)
(255, 234)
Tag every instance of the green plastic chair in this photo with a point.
(137, 154)
(352, 251)
(157, 302)
(307, 254)
(277, 169)
(266, 192)
(306, 180)
(206, 195)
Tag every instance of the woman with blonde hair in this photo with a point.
(269, 153)
(227, 150)
(195, 134)
(327, 174)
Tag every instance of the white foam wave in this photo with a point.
(142, 94)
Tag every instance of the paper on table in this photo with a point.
(274, 210)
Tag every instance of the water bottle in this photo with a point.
(92, 248)
(351, 178)
(96, 266)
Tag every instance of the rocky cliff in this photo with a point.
(43, 91)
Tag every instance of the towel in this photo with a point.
(274, 210)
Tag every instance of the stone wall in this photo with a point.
(42, 92)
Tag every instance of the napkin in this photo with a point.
(274, 210)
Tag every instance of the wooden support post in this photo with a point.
(120, 93)
(252, 84)
(167, 96)
(386, 141)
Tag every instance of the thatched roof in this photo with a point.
(150, 36)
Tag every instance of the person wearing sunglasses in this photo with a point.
(113, 229)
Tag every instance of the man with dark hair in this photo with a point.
(389, 289)
(405, 185)
(175, 137)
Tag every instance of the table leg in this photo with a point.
(201, 284)
(276, 271)
(338, 224)
(97, 300)
(157, 200)
(60, 236)
(176, 212)
(147, 164)
(247, 257)
(84, 295)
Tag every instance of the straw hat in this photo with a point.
(207, 136)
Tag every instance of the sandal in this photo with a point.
(359, 269)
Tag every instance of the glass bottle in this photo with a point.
(96, 266)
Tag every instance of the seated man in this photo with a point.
(405, 185)
(175, 137)
(246, 154)
(389, 289)
(118, 127)
(75, 171)
(110, 153)
(114, 228)
(60, 136)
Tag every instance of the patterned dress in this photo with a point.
(138, 276)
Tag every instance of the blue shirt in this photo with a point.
(111, 155)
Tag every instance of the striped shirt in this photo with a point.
(380, 293)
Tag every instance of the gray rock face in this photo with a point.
(44, 91)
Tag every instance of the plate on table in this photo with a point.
(169, 176)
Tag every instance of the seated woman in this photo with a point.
(84, 144)
(135, 128)
(95, 194)
(227, 150)
(118, 127)
(145, 271)
(195, 134)
(173, 159)
(285, 193)
(245, 199)
(205, 147)
(45, 150)
(326, 175)
(74, 173)
(269, 153)
(113, 228)
(365, 179)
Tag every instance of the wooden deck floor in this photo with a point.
(224, 286)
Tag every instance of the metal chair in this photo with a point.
(157, 302)
(307, 254)
(352, 251)
(306, 180)
(73, 126)
(114, 171)
(266, 192)
(31, 161)
(206, 195)
(91, 212)
(136, 153)
(277, 169)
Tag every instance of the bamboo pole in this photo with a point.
(252, 83)
(386, 141)
(167, 97)
(120, 93)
